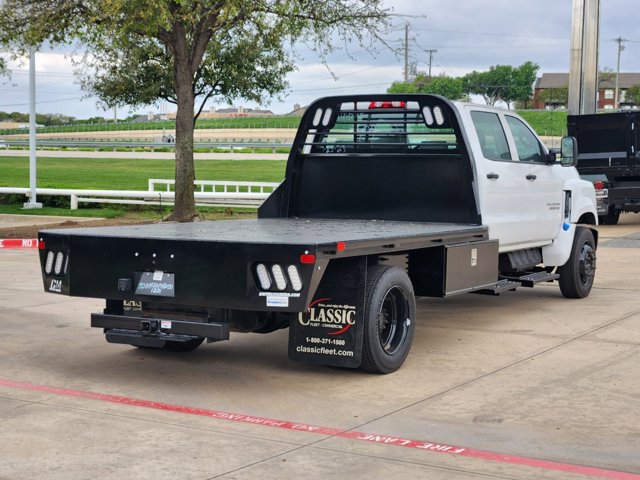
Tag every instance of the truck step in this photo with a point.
(504, 285)
(530, 279)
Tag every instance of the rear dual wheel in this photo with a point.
(390, 311)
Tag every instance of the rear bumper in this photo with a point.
(152, 332)
(602, 201)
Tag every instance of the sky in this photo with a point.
(466, 34)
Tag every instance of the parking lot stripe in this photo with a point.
(433, 447)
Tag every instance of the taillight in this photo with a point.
(48, 266)
(57, 268)
(263, 276)
(278, 276)
(294, 276)
(598, 184)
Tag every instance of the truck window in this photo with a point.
(493, 141)
(527, 145)
(382, 130)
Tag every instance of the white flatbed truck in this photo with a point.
(385, 198)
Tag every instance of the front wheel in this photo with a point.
(577, 275)
(390, 311)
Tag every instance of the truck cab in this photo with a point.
(521, 185)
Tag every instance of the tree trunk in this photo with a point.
(185, 209)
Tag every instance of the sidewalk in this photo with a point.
(15, 221)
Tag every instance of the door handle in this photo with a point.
(492, 176)
(531, 176)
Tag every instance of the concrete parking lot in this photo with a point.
(527, 385)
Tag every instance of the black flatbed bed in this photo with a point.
(289, 231)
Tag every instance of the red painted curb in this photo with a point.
(14, 243)
(334, 432)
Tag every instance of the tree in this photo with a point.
(633, 94)
(521, 85)
(491, 85)
(187, 51)
(606, 78)
(502, 83)
(554, 96)
(449, 87)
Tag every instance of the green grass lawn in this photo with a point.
(126, 174)
(551, 123)
(64, 212)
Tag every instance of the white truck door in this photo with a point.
(501, 181)
(543, 189)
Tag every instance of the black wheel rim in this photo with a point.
(393, 320)
(587, 264)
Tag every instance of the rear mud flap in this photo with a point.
(331, 330)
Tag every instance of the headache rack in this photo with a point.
(380, 127)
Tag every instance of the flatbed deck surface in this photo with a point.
(285, 231)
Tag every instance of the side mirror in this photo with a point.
(568, 152)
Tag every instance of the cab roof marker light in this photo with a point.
(263, 276)
(317, 117)
(387, 104)
(437, 113)
(58, 266)
(48, 266)
(428, 116)
(327, 117)
(278, 276)
(294, 276)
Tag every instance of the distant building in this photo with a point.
(232, 112)
(298, 110)
(606, 90)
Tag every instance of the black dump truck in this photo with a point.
(385, 198)
(609, 156)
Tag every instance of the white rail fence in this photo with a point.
(208, 193)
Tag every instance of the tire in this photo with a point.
(577, 275)
(612, 217)
(188, 346)
(390, 312)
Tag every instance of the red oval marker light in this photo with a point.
(340, 246)
(307, 259)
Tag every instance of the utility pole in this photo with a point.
(616, 101)
(431, 52)
(406, 53)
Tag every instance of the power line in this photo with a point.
(340, 88)
(492, 34)
(41, 102)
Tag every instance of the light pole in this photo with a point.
(32, 203)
